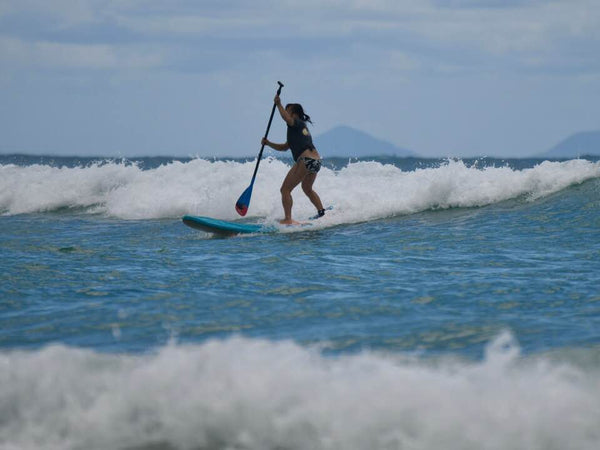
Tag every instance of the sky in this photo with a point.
(498, 78)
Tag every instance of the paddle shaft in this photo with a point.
(266, 134)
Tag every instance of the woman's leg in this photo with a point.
(307, 184)
(292, 179)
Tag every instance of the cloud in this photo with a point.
(52, 55)
(484, 3)
(195, 25)
(429, 36)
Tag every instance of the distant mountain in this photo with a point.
(578, 144)
(345, 141)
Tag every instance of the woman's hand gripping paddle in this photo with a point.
(243, 202)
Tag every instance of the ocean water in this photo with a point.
(441, 304)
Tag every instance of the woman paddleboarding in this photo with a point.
(307, 161)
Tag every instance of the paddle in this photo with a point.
(243, 202)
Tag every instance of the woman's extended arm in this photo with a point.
(284, 114)
(280, 147)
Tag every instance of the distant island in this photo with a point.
(578, 144)
(344, 141)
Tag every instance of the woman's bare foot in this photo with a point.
(289, 222)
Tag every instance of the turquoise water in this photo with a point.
(448, 304)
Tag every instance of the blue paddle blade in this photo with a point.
(243, 202)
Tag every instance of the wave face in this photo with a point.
(255, 394)
(359, 191)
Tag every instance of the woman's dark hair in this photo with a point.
(296, 108)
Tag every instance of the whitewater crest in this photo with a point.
(360, 190)
(258, 394)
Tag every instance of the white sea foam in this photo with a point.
(360, 191)
(254, 394)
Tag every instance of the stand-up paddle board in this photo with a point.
(225, 228)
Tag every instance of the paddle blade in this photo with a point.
(243, 202)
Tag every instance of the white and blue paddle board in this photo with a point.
(225, 228)
(222, 227)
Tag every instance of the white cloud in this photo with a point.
(51, 55)
(529, 27)
(194, 24)
(64, 11)
(429, 34)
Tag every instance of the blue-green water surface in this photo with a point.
(460, 283)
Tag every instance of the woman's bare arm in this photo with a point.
(284, 114)
(279, 147)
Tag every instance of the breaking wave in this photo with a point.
(360, 191)
(255, 394)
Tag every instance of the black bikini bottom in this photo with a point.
(311, 164)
